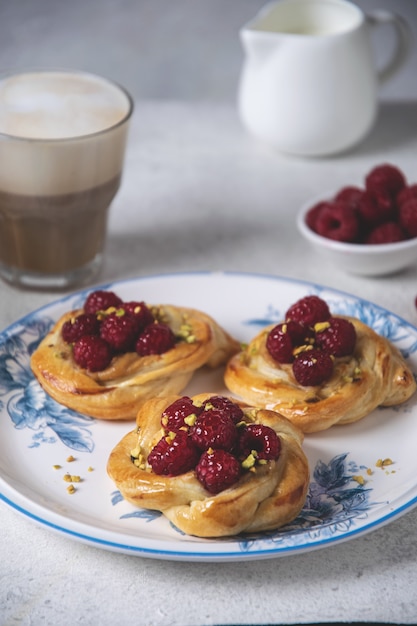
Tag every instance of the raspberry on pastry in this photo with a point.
(259, 483)
(108, 369)
(342, 374)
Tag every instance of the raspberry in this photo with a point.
(225, 405)
(279, 344)
(388, 232)
(214, 429)
(313, 213)
(140, 313)
(83, 324)
(174, 415)
(156, 338)
(338, 339)
(100, 301)
(375, 208)
(283, 338)
(407, 193)
(408, 217)
(386, 179)
(120, 331)
(339, 222)
(260, 439)
(312, 367)
(172, 456)
(92, 353)
(349, 196)
(308, 311)
(217, 470)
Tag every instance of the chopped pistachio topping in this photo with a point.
(303, 348)
(359, 479)
(384, 462)
(249, 461)
(140, 462)
(320, 326)
(186, 332)
(191, 419)
(69, 478)
(56, 467)
(138, 458)
(135, 452)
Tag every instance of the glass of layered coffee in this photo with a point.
(62, 145)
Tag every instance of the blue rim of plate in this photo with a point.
(91, 535)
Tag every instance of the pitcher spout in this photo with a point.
(258, 45)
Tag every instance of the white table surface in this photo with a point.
(199, 194)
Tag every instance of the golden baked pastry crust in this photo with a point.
(375, 375)
(264, 500)
(117, 392)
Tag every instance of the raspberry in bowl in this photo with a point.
(369, 230)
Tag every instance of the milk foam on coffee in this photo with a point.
(56, 105)
(60, 132)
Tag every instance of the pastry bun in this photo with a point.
(265, 499)
(374, 375)
(117, 392)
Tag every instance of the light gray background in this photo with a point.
(178, 49)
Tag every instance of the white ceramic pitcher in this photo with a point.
(309, 82)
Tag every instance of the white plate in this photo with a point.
(38, 433)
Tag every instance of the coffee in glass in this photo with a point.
(62, 144)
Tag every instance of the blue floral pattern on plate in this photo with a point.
(27, 404)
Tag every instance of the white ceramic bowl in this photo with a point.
(355, 258)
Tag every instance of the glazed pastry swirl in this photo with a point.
(375, 375)
(117, 392)
(264, 500)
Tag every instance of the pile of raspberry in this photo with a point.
(108, 327)
(384, 211)
(311, 339)
(214, 440)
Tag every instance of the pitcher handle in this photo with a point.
(403, 43)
